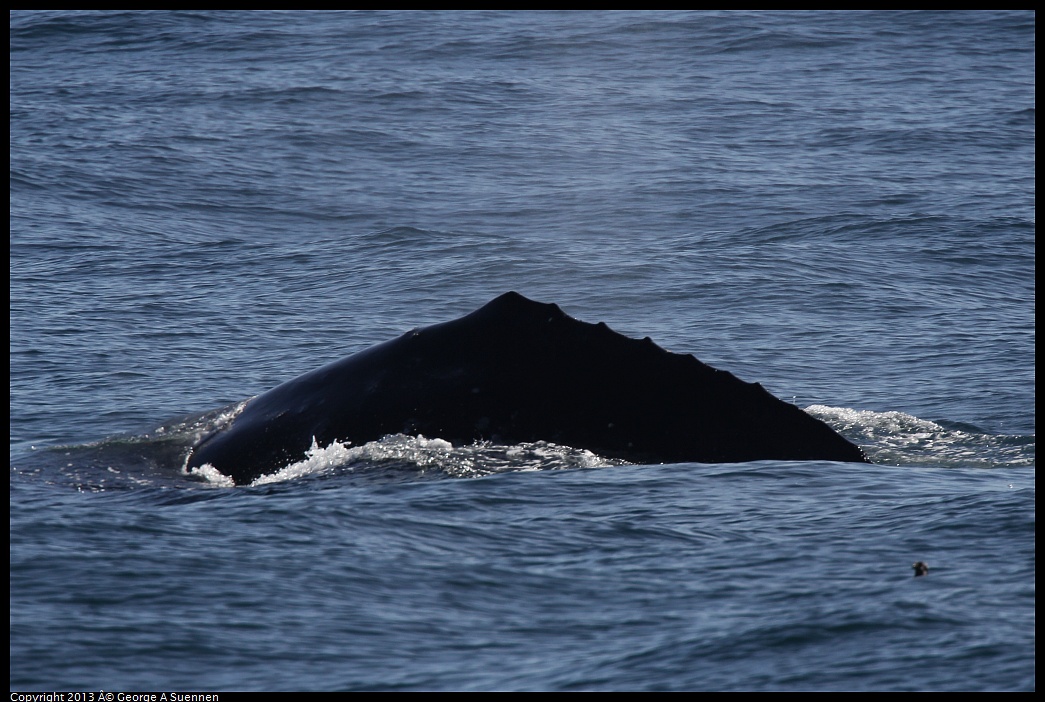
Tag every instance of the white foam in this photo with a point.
(212, 475)
(898, 437)
(321, 459)
(436, 456)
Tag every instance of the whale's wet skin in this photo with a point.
(516, 371)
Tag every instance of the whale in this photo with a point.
(514, 371)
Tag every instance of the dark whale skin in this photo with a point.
(516, 371)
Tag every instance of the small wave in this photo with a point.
(399, 456)
(212, 475)
(196, 426)
(899, 438)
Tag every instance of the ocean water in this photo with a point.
(837, 205)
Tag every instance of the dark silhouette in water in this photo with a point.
(920, 568)
(516, 370)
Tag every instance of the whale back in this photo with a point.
(516, 371)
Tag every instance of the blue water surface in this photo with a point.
(837, 205)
